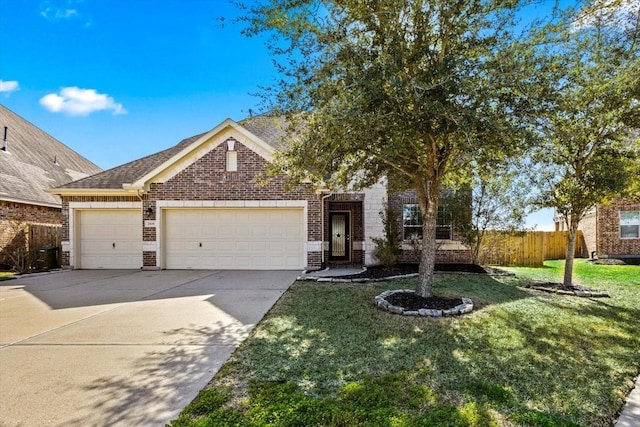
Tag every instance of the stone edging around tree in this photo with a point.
(381, 301)
(580, 292)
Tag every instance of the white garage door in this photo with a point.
(110, 238)
(243, 238)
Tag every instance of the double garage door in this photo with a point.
(242, 238)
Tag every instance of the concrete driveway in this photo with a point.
(106, 348)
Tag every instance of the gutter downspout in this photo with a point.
(329, 194)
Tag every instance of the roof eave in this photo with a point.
(92, 191)
(30, 202)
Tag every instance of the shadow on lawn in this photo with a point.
(515, 352)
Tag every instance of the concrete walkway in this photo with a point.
(121, 348)
(334, 272)
(630, 416)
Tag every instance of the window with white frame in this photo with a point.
(629, 224)
(444, 224)
(412, 223)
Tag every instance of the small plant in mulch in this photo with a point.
(561, 289)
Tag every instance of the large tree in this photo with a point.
(587, 65)
(398, 90)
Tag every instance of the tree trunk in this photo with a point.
(571, 250)
(427, 257)
(428, 203)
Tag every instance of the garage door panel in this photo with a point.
(245, 238)
(109, 238)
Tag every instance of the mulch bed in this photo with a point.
(380, 271)
(615, 261)
(559, 288)
(412, 301)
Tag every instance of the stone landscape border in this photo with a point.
(381, 301)
(584, 293)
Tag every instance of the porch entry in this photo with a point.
(340, 236)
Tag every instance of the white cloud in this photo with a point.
(80, 102)
(8, 86)
(615, 13)
(54, 13)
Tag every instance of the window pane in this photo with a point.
(411, 215)
(629, 231)
(443, 232)
(630, 218)
(412, 233)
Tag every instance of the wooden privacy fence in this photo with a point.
(22, 243)
(525, 249)
(43, 235)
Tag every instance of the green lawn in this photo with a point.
(5, 275)
(325, 355)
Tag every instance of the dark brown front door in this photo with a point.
(340, 240)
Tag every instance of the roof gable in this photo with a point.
(35, 162)
(201, 146)
(162, 166)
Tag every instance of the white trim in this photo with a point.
(74, 207)
(149, 246)
(91, 192)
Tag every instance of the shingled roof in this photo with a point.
(269, 129)
(35, 161)
(129, 172)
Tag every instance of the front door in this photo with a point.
(340, 241)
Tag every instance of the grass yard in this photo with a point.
(326, 356)
(5, 275)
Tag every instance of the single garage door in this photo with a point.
(110, 238)
(243, 238)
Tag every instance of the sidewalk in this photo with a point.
(630, 416)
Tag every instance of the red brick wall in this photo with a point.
(14, 218)
(589, 233)
(610, 245)
(207, 179)
(396, 202)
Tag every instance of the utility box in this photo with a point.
(48, 257)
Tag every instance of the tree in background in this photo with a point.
(587, 66)
(402, 90)
(499, 199)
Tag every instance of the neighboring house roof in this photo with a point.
(35, 161)
(265, 131)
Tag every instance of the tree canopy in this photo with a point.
(404, 90)
(587, 68)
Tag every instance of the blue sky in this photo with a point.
(117, 80)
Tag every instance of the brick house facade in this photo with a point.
(605, 233)
(31, 161)
(611, 231)
(15, 219)
(208, 203)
